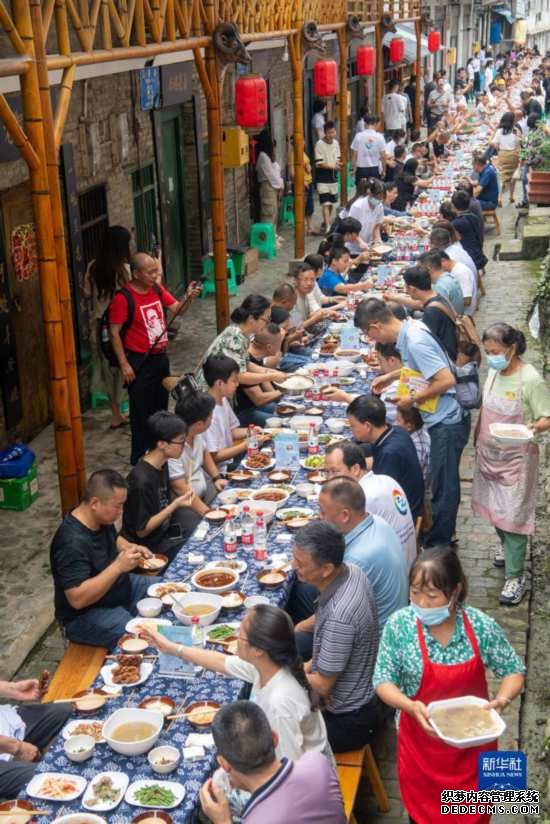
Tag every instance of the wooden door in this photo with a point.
(24, 287)
(173, 203)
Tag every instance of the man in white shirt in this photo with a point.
(369, 211)
(368, 151)
(327, 165)
(384, 496)
(440, 240)
(438, 103)
(395, 108)
(466, 278)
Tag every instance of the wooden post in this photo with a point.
(418, 93)
(379, 34)
(64, 288)
(47, 266)
(297, 66)
(343, 113)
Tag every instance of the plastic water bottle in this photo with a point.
(260, 540)
(312, 441)
(350, 301)
(251, 442)
(247, 529)
(229, 538)
(197, 632)
(317, 394)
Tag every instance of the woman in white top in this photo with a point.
(268, 659)
(270, 181)
(506, 141)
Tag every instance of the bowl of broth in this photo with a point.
(465, 722)
(214, 581)
(133, 731)
(206, 605)
(152, 817)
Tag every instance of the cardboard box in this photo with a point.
(251, 261)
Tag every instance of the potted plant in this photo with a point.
(536, 154)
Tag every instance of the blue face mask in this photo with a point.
(498, 362)
(431, 616)
(373, 202)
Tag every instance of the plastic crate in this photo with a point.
(19, 493)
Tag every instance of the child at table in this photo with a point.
(389, 360)
(411, 420)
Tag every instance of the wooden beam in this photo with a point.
(139, 23)
(117, 21)
(14, 66)
(77, 24)
(170, 21)
(62, 28)
(7, 24)
(297, 67)
(379, 87)
(63, 102)
(418, 81)
(343, 113)
(47, 13)
(17, 134)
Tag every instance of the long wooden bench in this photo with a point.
(352, 767)
(76, 671)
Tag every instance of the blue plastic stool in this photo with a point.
(209, 285)
(287, 210)
(262, 238)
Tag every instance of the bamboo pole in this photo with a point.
(14, 67)
(63, 283)
(62, 27)
(17, 134)
(343, 113)
(63, 102)
(297, 67)
(11, 31)
(417, 91)
(379, 88)
(47, 265)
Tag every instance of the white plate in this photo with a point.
(270, 465)
(120, 782)
(524, 434)
(233, 624)
(67, 730)
(166, 599)
(106, 673)
(312, 468)
(465, 701)
(34, 785)
(135, 622)
(223, 563)
(177, 788)
(304, 511)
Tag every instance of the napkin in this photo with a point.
(193, 753)
(200, 739)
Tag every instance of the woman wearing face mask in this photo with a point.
(434, 649)
(505, 476)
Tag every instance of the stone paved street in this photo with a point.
(24, 537)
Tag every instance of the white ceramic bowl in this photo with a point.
(126, 715)
(189, 598)
(352, 355)
(304, 490)
(274, 423)
(255, 600)
(335, 425)
(228, 496)
(167, 753)
(302, 423)
(149, 607)
(274, 489)
(79, 747)
(268, 508)
(80, 818)
(344, 368)
(213, 590)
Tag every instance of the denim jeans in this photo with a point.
(291, 361)
(257, 415)
(487, 205)
(301, 605)
(447, 444)
(103, 626)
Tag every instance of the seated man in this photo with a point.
(486, 186)
(151, 516)
(332, 281)
(307, 312)
(95, 592)
(24, 732)
(345, 636)
(391, 448)
(384, 496)
(280, 791)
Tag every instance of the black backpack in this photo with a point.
(105, 340)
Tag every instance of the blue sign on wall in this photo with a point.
(149, 88)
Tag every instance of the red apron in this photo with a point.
(427, 766)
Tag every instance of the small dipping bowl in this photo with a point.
(228, 496)
(165, 753)
(274, 423)
(255, 600)
(335, 426)
(153, 815)
(79, 747)
(149, 607)
(304, 490)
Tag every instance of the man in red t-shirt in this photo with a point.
(141, 350)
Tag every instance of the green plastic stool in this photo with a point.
(100, 398)
(262, 238)
(287, 210)
(238, 258)
(209, 285)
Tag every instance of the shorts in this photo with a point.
(310, 206)
(328, 192)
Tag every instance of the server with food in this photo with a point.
(434, 650)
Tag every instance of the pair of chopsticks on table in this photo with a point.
(23, 811)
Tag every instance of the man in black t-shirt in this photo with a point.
(438, 321)
(95, 591)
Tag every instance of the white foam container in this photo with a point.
(467, 701)
(524, 434)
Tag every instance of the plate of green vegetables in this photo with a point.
(160, 794)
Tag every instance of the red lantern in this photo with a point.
(366, 60)
(251, 102)
(397, 50)
(325, 78)
(434, 41)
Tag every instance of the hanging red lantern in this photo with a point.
(251, 102)
(325, 78)
(434, 41)
(366, 60)
(397, 50)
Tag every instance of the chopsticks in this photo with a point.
(81, 698)
(175, 715)
(24, 811)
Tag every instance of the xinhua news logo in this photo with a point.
(502, 788)
(505, 770)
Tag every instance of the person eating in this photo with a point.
(435, 649)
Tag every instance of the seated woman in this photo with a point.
(438, 648)
(268, 659)
(294, 341)
(407, 185)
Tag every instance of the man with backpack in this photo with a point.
(139, 337)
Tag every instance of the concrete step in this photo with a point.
(511, 250)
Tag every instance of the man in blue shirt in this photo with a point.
(486, 188)
(391, 448)
(448, 425)
(332, 282)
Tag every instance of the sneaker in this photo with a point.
(498, 560)
(513, 591)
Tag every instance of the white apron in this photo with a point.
(505, 476)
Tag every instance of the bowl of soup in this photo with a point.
(132, 731)
(205, 605)
(465, 722)
(215, 581)
(271, 577)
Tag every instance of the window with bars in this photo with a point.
(94, 220)
(145, 208)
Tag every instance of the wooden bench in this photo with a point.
(490, 218)
(76, 671)
(352, 767)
